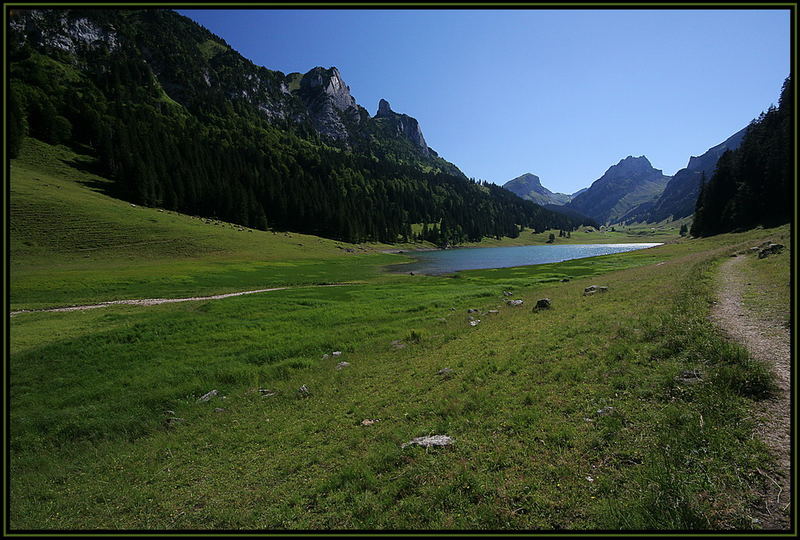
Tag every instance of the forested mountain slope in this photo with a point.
(180, 120)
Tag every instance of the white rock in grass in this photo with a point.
(430, 440)
(207, 396)
(475, 322)
(337, 353)
(342, 365)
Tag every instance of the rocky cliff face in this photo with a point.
(529, 187)
(329, 104)
(189, 58)
(623, 186)
(402, 125)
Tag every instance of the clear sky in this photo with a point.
(563, 94)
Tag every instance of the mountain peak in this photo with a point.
(530, 179)
(529, 187)
(384, 109)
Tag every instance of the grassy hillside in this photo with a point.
(576, 417)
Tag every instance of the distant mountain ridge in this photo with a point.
(623, 186)
(529, 187)
(680, 194)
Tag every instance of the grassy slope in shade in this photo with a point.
(90, 390)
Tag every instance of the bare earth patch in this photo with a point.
(767, 341)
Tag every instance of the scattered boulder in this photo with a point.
(172, 421)
(337, 353)
(604, 411)
(508, 293)
(207, 396)
(770, 249)
(397, 344)
(564, 280)
(304, 391)
(542, 303)
(325, 356)
(493, 311)
(220, 409)
(514, 302)
(472, 310)
(430, 440)
(475, 322)
(590, 289)
(602, 289)
(446, 373)
(369, 422)
(342, 365)
(266, 393)
(689, 377)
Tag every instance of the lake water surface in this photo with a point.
(451, 260)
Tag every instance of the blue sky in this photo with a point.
(563, 94)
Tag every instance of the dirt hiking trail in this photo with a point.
(767, 341)
(156, 301)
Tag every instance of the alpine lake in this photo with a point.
(445, 261)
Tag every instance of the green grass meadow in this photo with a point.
(92, 392)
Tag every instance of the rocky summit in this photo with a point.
(529, 187)
(402, 125)
(623, 186)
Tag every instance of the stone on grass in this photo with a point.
(369, 422)
(508, 293)
(493, 311)
(337, 353)
(219, 409)
(342, 365)
(472, 310)
(445, 372)
(514, 302)
(325, 356)
(689, 377)
(397, 344)
(475, 322)
(430, 440)
(543, 303)
(590, 289)
(604, 411)
(602, 289)
(172, 422)
(304, 391)
(207, 396)
(564, 280)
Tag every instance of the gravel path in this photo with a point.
(767, 341)
(155, 301)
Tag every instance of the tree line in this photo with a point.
(752, 185)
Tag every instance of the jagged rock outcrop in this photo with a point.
(330, 106)
(529, 187)
(623, 186)
(63, 32)
(401, 125)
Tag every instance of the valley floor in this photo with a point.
(623, 410)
